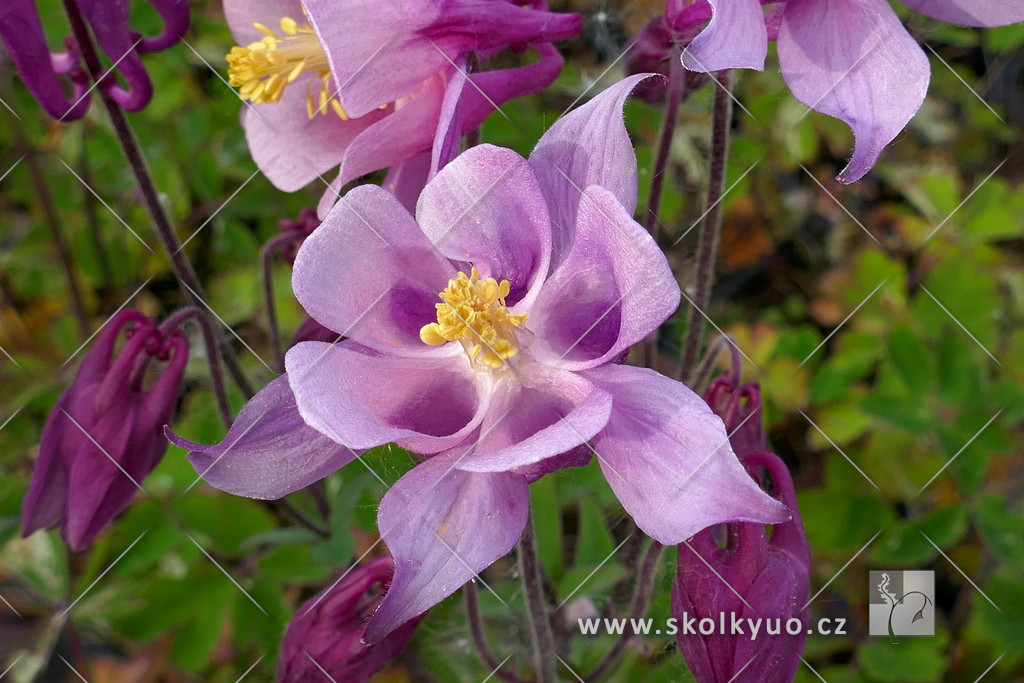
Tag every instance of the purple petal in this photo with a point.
(588, 146)
(369, 273)
(269, 451)
(971, 12)
(407, 179)
(44, 504)
(292, 149)
(485, 208)
(538, 414)
(406, 132)
(612, 290)
(448, 138)
(175, 15)
(668, 459)
(362, 399)
(22, 33)
(398, 45)
(443, 526)
(108, 20)
(491, 89)
(853, 60)
(735, 38)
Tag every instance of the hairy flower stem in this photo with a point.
(133, 153)
(702, 376)
(91, 219)
(540, 619)
(668, 129)
(646, 574)
(202, 318)
(476, 630)
(651, 223)
(707, 242)
(53, 224)
(267, 254)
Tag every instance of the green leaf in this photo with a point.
(1002, 529)
(913, 660)
(912, 359)
(594, 543)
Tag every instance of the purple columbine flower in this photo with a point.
(324, 635)
(850, 59)
(105, 433)
(22, 33)
(360, 85)
(752, 580)
(487, 334)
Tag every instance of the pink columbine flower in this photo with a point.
(486, 334)
(106, 432)
(361, 84)
(850, 59)
(22, 33)
(322, 641)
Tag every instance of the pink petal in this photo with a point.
(971, 12)
(486, 208)
(290, 148)
(362, 399)
(588, 146)
(735, 38)
(853, 60)
(369, 273)
(612, 290)
(269, 451)
(668, 459)
(537, 414)
(442, 526)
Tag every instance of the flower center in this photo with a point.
(263, 69)
(474, 314)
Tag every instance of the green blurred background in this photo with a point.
(883, 321)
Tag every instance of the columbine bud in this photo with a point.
(106, 432)
(22, 32)
(660, 42)
(765, 581)
(739, 406)
(324, 636)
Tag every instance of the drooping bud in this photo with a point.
(105, 433)
(753, 577)
(324, 636)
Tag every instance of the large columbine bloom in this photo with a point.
(850, 59)
(361, 84)
(486, 335)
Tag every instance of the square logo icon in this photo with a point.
(901, 603)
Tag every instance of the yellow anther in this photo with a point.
(262, 70)
(474, 314)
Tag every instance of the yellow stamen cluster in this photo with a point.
(263, 69)
(474, 314)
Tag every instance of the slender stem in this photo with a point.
(707, 366)
(540, 620)
(476, 630)
(133, 153)
(284, 506)
(317, 493)
(91, 218)
(267, 254)
(647, 573)
(707, 243)
(202, 318)
(668, 129)
(53, 224)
